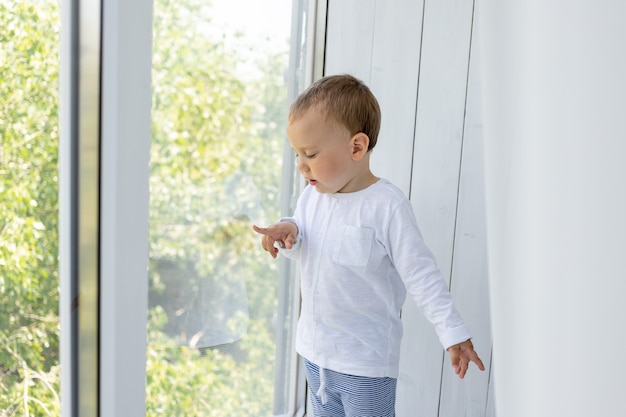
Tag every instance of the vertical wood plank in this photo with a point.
(491, 394)
(349, 38)
(440, 122)
(393, 78)
(435, 182)
(469, 282)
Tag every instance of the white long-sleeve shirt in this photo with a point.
(359, 254)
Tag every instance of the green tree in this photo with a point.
(215, 167)
(29, 325)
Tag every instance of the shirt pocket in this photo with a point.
(355, 246)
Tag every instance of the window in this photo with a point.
(221, 311)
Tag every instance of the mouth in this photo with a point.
(312, 182)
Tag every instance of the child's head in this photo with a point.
(333, 125)
(345, 100)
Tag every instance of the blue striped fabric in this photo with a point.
(349, 395)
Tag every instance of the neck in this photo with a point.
(359, 182)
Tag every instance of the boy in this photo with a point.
(360, 251)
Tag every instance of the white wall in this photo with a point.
(555, 105)
(416, 59)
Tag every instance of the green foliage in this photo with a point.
(29, 325)
(215, 167)
(215, 161)
(183, 381)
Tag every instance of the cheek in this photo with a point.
(332, 167)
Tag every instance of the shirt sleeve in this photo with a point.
(422, 278)
(294, 252)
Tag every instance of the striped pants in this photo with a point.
(334, 394)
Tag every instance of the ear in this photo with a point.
(359, 142)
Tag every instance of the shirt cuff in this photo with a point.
(454, 336)
(296, 243)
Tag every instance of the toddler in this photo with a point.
(360, 252)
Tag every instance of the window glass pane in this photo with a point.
(29, 322)
(219, 114)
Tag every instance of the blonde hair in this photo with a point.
(345, 99)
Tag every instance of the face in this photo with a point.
(324, 152)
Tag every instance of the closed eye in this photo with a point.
(307, 156)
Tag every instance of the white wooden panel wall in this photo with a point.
(469, 282)
(416, 56)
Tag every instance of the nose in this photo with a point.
(302, 165)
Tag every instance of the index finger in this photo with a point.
(259, 230)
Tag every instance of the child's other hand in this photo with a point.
(461, 355)
(284, 233)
